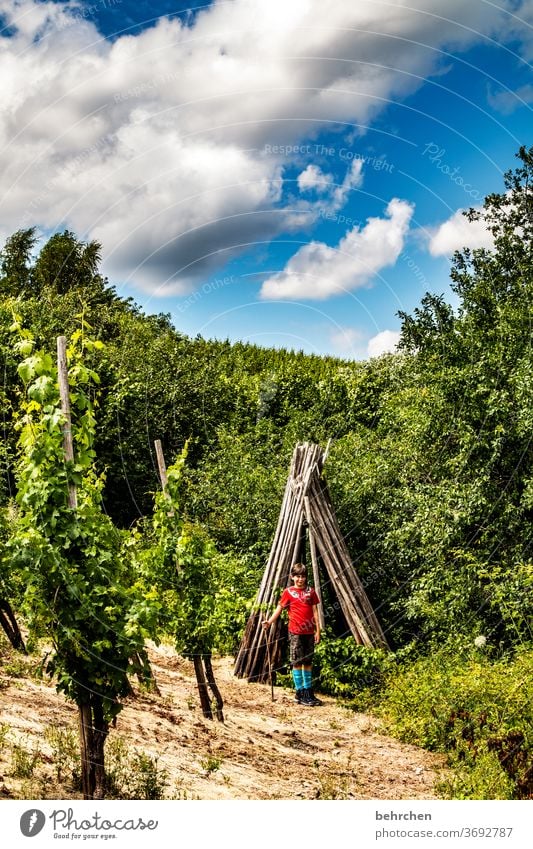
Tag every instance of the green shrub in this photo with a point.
(477, 711)
(346, 669)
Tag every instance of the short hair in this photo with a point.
(299, 569)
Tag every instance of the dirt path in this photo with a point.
(264, 750)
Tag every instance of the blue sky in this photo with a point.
(290, 174)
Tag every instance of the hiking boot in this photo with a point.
(310, 698)
(298, 696)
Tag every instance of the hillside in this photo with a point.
(264, 750)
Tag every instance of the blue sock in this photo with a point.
(298, 678)
(307, 678)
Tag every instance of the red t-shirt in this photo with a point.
(300, 604)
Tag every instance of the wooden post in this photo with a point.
(314, 561)
(161, 463)
(210, 677)
(202, 687)
(68, 446)
(162, 466)
(10, 626)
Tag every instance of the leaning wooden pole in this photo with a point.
(10, 626)
(314, 562)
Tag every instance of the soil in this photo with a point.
(264, 750)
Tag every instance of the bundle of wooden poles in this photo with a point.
(306, 510)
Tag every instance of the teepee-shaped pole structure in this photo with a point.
(306, 503)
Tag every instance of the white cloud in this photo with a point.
(317, 271)
(458, 232)
(314, 179)
(156, 143)
(352, 180)
(334, 195)
(507, 102)
(383, 343)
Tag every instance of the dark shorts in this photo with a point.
(301, 647)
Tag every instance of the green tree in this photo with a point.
(79, 590)
(176, 557)
(15, 263)
(65, 263)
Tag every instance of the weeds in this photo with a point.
(332, 787)
(23, 762)
(65, 750)
(133, 776)
(211, 764)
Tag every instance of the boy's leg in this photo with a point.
(307, 675)
(297, 676)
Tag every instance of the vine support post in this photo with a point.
(210, 676)
(162, 466)
(93, 733)
(161, 463)
(68, 445)
(202, 687)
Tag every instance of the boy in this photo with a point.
(304, 632)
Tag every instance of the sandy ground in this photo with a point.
(264, 750)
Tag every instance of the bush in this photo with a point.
(346, 669)
(477, 711)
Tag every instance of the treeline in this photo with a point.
(431, 464)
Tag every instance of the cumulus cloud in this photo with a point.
(458, 232)
(155, 143)
(352, 180)
(314, 179)
(383, 343)
(318, 271)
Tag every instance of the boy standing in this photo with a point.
(304, 632)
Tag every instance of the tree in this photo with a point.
(15, 263)
(65, 263)
(478, 362)
(79, 591)
(176, 558)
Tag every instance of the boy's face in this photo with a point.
(299, 581)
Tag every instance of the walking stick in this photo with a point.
(269, 663)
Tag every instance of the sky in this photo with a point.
(286, 173)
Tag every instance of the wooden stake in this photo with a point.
(161, 464)
(68, 446)
(202, 687)
(314, 561)
(210, 677)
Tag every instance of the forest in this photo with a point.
(430, 471)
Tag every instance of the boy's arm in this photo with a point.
(317, 623)
(268, 622)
